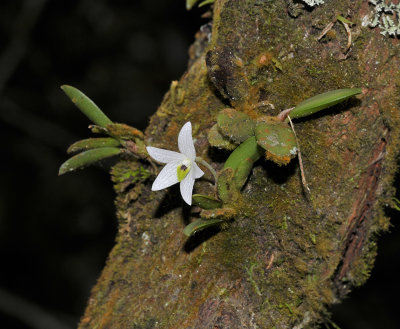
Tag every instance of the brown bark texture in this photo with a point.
(286, 256)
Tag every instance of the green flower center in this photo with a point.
(183, 169)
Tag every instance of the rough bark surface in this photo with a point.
(286, 257)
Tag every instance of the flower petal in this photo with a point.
(167, 177)
(196, 172)
(185, 141)
(186, 188)
(164, 156)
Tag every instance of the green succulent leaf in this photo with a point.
(200, 224)
(206, 2)
(217, 140)
(87, 106)
(92, 143)
(190, 4)
(278, 140)
(206, 202)
(235, 125)
(247, 150)
(87, 158)
(227, 191)
(322, 101)
(242, 159)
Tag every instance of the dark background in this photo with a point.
(56, 232)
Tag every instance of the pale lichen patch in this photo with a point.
(386, 17)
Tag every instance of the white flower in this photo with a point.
(180, 167)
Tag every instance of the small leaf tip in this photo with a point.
(64, 87)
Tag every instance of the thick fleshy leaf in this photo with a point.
(168, 176)
(227, 190)
(206, 2)
(200, 224)
(87, 106)
(246, 151)
(92, 143)
(185, 141)
(241, 161)
(164, 156)
(87, 158)
(322, 101)
(216, 139)
(206, 202)
(190, 4)
(235, 125)
(279, 141)
(186, 187)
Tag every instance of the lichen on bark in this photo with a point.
(286, 257)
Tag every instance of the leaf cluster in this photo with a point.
(121, 137)
(250, 139)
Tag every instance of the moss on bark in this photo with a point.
(286, 257)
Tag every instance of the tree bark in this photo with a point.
(287, 256)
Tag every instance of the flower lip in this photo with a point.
(183, 169)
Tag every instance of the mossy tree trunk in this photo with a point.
(286, 257)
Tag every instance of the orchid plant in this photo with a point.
(248, 139)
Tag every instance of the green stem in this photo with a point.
(208, 166)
